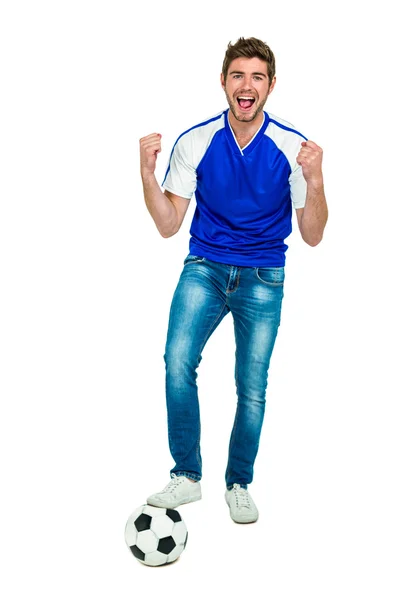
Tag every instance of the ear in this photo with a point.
(222, 81)
(271, 87)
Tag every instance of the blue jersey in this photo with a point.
(244, 196)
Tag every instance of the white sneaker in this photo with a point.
(241, 505)
(180, 490)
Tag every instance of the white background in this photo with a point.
(86, 286)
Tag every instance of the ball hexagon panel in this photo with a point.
(147, 541)
(162, 526)
(155, 559)
(179, 532)
(153, 511)
(130, 534)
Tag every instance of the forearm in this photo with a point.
(159, 206)
(315, 214)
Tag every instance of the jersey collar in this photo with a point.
(253, 142)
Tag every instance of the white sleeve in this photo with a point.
(180, 177)
(298, 186)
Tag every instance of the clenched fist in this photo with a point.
(150, 146)
(310, 159)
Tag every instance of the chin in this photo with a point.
(245, 117)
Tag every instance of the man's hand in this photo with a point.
(310, 159)
(150, 146)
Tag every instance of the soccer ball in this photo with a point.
(155, 536)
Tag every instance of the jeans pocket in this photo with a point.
(191, 258)
(274, 276)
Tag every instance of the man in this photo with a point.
(248, 169)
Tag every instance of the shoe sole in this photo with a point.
(165, 505)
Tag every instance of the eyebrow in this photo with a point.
(242, 73)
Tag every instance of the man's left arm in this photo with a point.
(313, 216)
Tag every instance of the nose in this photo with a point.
(247, 82)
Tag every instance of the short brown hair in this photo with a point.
(249, 48)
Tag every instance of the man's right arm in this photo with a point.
(167, 209)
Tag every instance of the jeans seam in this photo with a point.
(271, 283)
(237, 283)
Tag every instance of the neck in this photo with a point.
(245, 128)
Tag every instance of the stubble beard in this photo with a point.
(245, 117)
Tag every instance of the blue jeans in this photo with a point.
(206, 292)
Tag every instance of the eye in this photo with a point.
(236, 76)
(258, 78)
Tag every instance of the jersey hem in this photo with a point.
(238, 260)
(167, 187)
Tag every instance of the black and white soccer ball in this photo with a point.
(156, 536)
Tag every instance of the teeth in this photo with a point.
(245, 98)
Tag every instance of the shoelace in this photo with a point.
(241, 496)
(173, 484)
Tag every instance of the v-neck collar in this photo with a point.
(254, 140)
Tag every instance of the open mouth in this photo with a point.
(245, 102)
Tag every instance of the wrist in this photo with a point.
(147, 177)
(316, 184)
